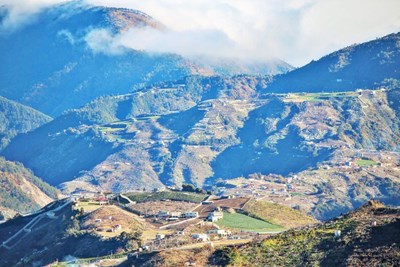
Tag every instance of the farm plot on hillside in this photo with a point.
(246, 223)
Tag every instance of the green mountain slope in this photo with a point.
(60, 71)
(16, 118)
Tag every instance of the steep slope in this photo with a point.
(21, 191)
(16, 118)
(55, 234)
(199, 129)
(132, 129)
(365, 65)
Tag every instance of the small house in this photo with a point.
(163, 214)
(175, 214)
(192, 214)
(160, 236)
(117, 227)
(201, 237)
(220, 232)
(215, 216)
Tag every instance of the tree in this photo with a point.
(188, 188)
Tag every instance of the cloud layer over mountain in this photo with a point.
(294, 30)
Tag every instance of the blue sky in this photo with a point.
(296, 31)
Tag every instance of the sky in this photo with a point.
(296, 31)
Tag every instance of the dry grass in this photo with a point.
(149, 234)
(88, 206)
(153, 207)
(111, 216)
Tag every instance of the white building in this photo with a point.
(215, 216)
(220, 232)
(200, 237)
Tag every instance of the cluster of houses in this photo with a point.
(201, 237)
(176, 215)
(110, 229)
(214, 232)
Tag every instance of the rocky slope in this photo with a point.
(202, 132)
(21, 191)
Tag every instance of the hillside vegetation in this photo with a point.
(361, 243)
(16, 118)
(368, 236)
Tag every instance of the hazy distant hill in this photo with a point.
(58, 70)
(16, 118)
(20, 190)
(365, 65)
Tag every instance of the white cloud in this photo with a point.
(187, 43)
(103, 41)
(294, 30)
(22, 12)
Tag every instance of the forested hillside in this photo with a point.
(16, 118)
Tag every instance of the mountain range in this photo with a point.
(127, 120)
(70, 60)
(113, 156)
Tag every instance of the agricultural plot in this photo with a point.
(151, 208)
(246, 223)
(366, 163)
(317, 97)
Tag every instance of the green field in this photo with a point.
(246, 223)
(366, 163)
(171, 195)
(317, 97)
